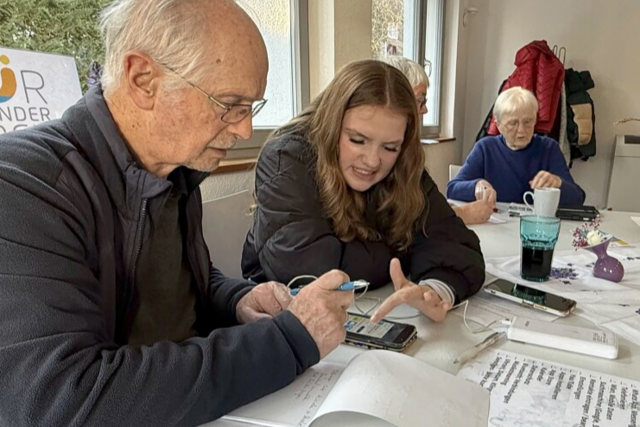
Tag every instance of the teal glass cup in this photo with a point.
(538, 236)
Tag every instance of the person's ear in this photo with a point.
(142, 79)
(498, 124)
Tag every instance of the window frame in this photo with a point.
(435, 87)
(301, 88)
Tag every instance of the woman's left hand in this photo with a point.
(544, 179)
(422, 298)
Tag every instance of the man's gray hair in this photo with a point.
(169, 31)
(413, 71)
(513, 100)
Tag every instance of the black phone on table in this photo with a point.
(385, 334)
(539, 300)
(577, 213)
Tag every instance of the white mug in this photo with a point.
(545, 201)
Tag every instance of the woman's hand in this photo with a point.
(485, 192)
(544, 179)
(422, 298)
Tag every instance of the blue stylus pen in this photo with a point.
(348, 286)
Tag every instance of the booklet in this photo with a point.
(527, 391)
(376, 388)
(519, 209)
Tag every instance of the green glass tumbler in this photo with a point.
(538, 236)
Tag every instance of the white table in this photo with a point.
(439, 344)
(501, 240)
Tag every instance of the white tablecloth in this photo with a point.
(614, 306)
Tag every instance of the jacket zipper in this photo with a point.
(192, 255)
(136, 255)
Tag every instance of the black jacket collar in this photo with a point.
(106, 148)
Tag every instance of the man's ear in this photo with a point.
(142, 79)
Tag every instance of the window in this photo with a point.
(283, 27)
(413, 29)
(432, 29)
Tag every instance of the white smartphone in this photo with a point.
(530, 297)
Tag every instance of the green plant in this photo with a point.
(68, 27)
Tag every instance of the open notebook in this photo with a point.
(376, 388)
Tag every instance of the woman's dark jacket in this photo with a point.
(291, 235)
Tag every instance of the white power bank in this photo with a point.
(594, 342)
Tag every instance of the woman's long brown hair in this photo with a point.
(398, 200)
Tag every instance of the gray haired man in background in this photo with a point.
(110, 310)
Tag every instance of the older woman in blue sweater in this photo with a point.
(504, 167)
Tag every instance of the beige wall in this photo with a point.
(224, 184)
(339, 32)
(454, 81)
(321, 45)
(438, 157)
(600, 36)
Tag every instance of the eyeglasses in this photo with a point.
(515, 124)
(422, 101)
(233, 113)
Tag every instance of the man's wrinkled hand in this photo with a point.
(323, 310)
(422, 298)
(263, 301)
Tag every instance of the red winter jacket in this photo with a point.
(541, 72)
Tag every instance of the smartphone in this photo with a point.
(386, 335)
(577, 213)
(530, 297)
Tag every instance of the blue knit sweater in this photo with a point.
(509, 172)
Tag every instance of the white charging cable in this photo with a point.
(505, 321)
(358, 299)
(377, 301)
(303, 276)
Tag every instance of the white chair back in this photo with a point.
(225, 222)
(453, 171)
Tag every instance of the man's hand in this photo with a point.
(485, 192)
(422, 298)
(477, 212)
(264, 301)
(323, 310)
(544, 179)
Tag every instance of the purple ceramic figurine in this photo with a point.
(590, 237)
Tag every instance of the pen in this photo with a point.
(348, 286)
(478, 348)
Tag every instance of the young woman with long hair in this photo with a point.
(343, 185)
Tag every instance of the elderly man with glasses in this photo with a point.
(502, 168)
(110, 310)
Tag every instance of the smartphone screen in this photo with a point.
(386, 334)
(539, 299)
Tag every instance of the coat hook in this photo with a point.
(468, 11)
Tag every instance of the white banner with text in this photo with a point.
(35, 87)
